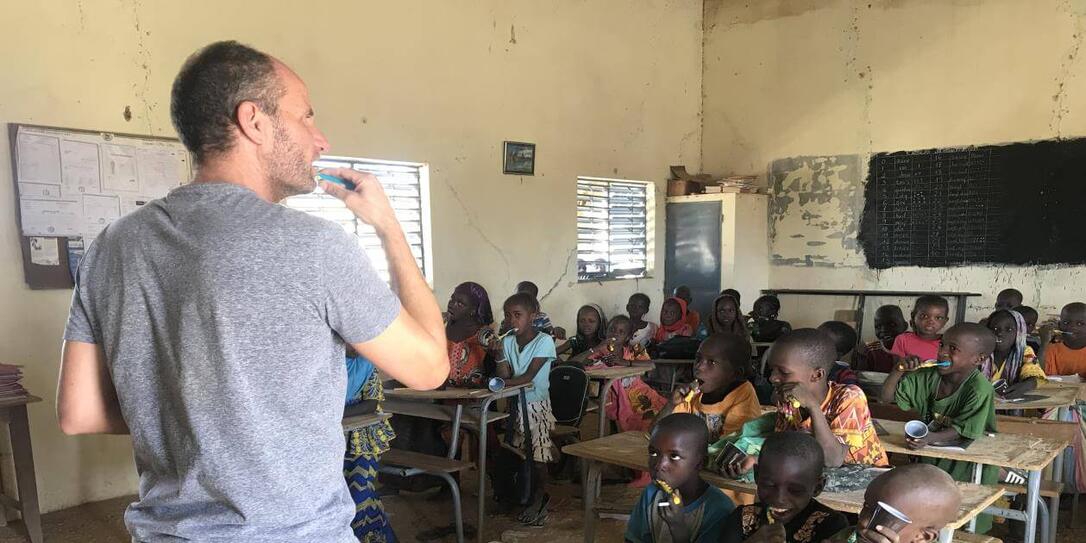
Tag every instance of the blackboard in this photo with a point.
(1019, 204)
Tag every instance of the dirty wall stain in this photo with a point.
(815, 204)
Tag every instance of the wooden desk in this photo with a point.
(1055, 397)
(607, 376)
(630, 450)
(14, 410)
(419, 403)
(355, 422)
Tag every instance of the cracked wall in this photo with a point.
(604, 88)
(831, 82)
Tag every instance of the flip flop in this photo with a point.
(530, 517)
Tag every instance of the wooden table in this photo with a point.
(1055, 397)
(1032, 454)
(355, 422)
(607, 376)
(630, 450)
(14, 410)
(419, 403)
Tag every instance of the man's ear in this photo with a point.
(821, 484)
(253, 124)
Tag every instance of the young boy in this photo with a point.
(922, 492)
(1008, 298)
(844, 342)
(765, 327)
(889, 324)
(1031, 316)
(693, 318)
(955, 400)
(542, 321)
(837, 415)
(643, 330)
(1069, 355)
(929, 316)
(528, 358)
(722, 394)
(677, 451)
(789, 476)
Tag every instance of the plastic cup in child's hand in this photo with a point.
(889, 518)
(916, 429)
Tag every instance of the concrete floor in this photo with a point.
(101, 522)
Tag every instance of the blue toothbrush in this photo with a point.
(339, 181)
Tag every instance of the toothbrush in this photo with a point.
(928, 364)
(339, 181)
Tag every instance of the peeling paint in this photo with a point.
(1065, 71)
(814, 211)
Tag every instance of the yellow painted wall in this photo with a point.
(607, 88)
(802, 78)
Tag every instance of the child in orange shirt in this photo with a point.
(1069, 355)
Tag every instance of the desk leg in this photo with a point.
(19, 430)
(604, 392)
(1033, 493)
(959, 313)
(591, 487)
(482, 467)
(861, 301)
(978, 471)
(946, 535)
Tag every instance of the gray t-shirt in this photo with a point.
(223, 318)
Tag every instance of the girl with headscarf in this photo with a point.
(591, 331)
(725, 318)
(468, 335)
(1012, 360)
(673, 315)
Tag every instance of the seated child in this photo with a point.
(1012, 359)
(468, 336)
(643, 330)
(725, 319)
(542, 321)
(673, 321)
(1008, 298)
(693, 318)
(1031, 316)
(677, 452)
(889, 324)
(789, 476)
(922, 492)
(722, 394)
(765, 327)
(955, 401)
(634, 404)
(844, 342)
(591, 331)
(1068, 355)
(734, 294)
(528, 357)
(837, 415)
(928, 317)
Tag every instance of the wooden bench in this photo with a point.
(410, 464)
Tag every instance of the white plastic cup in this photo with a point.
(916, 429)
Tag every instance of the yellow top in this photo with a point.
(1030, 367)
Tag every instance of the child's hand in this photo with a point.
(909, 363)
(875, 346)
(874, 534)
(802, 395)
(916, 443)
(681, 391)
(1047, 333)
(738, 469)
(673, 517)
(769, 533)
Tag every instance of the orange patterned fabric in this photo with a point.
(846, 411)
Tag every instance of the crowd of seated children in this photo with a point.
(722, 394)
(724, 319)
(928, 318)
(1012, 360)
(924, 494)
(764, 325)
(678, 506)
(955, 400)
(643, 331)
(591, 331)
(889, 324)
(673, 320)
(789, 477)
(693, 318)
(529, 354)
(844, 342)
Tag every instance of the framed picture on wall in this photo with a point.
(519, 158)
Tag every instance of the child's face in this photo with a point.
(1073, 322)
(1007, 301)
(790, 366)
(962, 351)
(1031, 322)
(519, 317)
(670, 313)
(726, 312)
(786, 485)
(712, 368)
(460, 306)
(929, 320)
(888, 327)
(674, 458)
(637, 308)
(1005, 330)
(764, 310)
(588, 322)
(619, 330)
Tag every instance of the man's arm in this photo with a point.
(86, 400)
(412, 349)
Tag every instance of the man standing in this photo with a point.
(211, 323)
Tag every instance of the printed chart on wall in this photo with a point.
(72, 183)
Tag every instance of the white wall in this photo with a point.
(607, 88)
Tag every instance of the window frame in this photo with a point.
(649, 233)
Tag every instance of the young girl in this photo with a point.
(643, 330)
(468, 335)
(672, 321)
(529, 355)
(634, 404)
(591, 330)
(929, 317)
(725, 319)
(1012, 360)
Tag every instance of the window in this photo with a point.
(614, 228)
(407, 186)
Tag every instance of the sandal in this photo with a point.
(532, 514)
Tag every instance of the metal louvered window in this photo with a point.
(408, 188)
(613, 229)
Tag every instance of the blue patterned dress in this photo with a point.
(364, 449)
